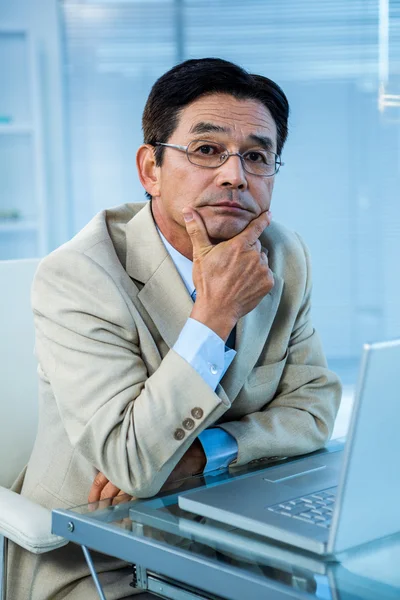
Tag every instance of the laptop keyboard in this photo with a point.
(315, 508)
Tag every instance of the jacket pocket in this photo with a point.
(267, 375)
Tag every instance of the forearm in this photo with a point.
(219, 321)
(192, 463)
(301, 416)
(205, 351)
(295, 422)
(136, 440)
(127, 424)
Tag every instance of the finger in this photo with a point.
(270, 275)
(121, 498)
(264, 260)
(196, 230)
(99, 482)
(254, 229)
(109, 491)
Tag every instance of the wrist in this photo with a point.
(199, 457)
(218, 321)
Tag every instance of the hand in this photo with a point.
(103, 489)
(231, 277)
(191, 463)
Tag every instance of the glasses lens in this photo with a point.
(260, 162)
(206, 154)
(212, 154)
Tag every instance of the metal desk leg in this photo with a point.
(3, 566)
(93, 572)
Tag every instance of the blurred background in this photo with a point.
(74, 77)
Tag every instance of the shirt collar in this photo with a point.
(183, 265)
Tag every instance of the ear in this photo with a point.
(147, 170)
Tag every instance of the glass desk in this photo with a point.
(178, 555)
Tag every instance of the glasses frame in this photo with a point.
(278, 162)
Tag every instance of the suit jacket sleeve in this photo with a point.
(301, 416)
(119, 415)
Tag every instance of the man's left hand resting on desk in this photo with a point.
(192, 462)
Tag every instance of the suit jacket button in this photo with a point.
(188, 424)
(179, 434)
(197, 412)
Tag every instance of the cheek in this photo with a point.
(180, 188)
(269, 185)
(187, 186)
(263, 194)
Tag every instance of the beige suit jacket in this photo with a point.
(109, 306)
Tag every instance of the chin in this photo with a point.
(225, 231)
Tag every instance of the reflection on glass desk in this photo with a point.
(183, 556)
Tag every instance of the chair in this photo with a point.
(21, 520)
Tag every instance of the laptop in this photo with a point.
(330, 502)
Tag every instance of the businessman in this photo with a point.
(174, 337)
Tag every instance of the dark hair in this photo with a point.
(184, 83)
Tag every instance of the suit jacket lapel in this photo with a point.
(164, 295)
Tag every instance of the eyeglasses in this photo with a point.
(212, 155)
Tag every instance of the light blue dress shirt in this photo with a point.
(206, 352)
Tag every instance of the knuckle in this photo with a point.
(257, 246)
(192, 229)
(248, 243)
(98, 480)
(238, 245)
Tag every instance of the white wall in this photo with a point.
(41, 17)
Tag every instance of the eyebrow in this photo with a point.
(263, 141)
(204, 127)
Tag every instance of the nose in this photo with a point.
(232, 174)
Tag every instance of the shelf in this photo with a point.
(17, 225)
(12, 129)
(23, 210)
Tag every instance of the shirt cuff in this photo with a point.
(220, 448)
(205, 351)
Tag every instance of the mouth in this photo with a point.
(229, 205)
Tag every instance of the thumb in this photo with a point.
(197, 231)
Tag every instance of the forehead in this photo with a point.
(240, 118)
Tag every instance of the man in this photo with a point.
(175, 337)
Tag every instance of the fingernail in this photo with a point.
(269, 213)
(188, 216)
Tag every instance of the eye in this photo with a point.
(206, 149)
(254, 156)
(209, 150)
